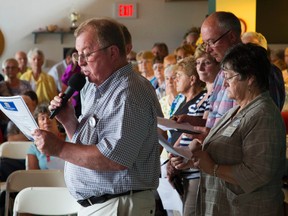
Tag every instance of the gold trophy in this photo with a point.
(74, 16)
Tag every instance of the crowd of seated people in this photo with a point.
(185, 80)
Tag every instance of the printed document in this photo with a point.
(16, 110)
(168, 124)
(183, 152)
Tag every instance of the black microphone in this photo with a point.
(75, 83)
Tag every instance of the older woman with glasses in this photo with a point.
(243, 157)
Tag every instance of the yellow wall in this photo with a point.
(244, 9)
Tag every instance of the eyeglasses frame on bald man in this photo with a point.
(213, 43)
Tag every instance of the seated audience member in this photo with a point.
(22, 60)
(160, 50)
(286, 56)
(184, 51)
(159, 74)
(131, 58)
(33, 97)
(277, 58)
(58, 69)
(276, 82)
(37, 160)
(169, 60)
(71, 70)
(42, 83)
(13, 132)
(191, 36)
(254, 37)
(145, 66)
(14, 85)
(242, 160)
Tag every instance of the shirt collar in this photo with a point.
(104, 87)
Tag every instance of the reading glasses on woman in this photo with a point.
(228, 79)
(86, 57)
(212, 44)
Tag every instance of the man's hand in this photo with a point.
(66, 112)
(47, 143)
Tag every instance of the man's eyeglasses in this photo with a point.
(85, 57)
(227, 79)
(213, 43)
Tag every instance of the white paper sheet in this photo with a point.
(169, 196)
(168, 124)
(179, 151)
(16, 110)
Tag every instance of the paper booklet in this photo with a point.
(15, 109)
(168, 124)
(183, 152)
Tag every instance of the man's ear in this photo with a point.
(114, 52)
(233, 37)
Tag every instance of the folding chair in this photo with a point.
(21, 179)
(13, 150)
(45, 201)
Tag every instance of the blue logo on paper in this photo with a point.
(9, 106)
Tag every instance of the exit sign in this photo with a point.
(125, 10)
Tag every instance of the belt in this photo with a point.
(101, 199)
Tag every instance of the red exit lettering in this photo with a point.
(125, 10)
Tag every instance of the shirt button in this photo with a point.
(92, 121)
